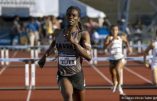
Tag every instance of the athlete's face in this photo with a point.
(72, 17)
(115, 31)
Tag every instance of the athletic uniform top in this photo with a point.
(115, 49)
(154, 53)
(69, 61)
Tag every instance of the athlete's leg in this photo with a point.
(113, 76)
(79, 95)
(155, 76)
(119, 67)
(66, 89)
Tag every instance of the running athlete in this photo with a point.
(73, 44)
(114, 42)
(153, 62)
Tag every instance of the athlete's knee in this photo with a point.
(79, 95)
(68, 97)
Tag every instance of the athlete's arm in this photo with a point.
(49, 51)
(125, 40)
(85, 50)
(107, 41)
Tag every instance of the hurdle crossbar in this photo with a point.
(33, 68)
(34, 51)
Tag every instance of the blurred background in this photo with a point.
(32, 22)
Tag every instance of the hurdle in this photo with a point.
(30, 75)
(34, 51)
(94, 54)
(26, 61)
(29, 66)
(139, 47)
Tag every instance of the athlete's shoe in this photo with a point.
(120, 90)
(114, 88)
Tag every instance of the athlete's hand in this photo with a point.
(72, 38)
(110, 41)
(130, 50)
(147, 65)
(42, 61)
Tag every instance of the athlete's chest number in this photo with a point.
(67, 61)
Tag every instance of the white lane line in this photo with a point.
(29, 92)
(138, 75)
(101, 74)
(5, 67)
(104, 77)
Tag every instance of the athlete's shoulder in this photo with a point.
(84, 33)
(123, 35)
(109, 36)
(152, 44)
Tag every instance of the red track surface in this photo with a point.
(13, 76)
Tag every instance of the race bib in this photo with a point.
(67, 61)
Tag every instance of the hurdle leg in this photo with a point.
(95, 56)
(121, 82)
(39, 50)
(2, 56)
(33, 74)
(32, 53)
(91, 61)
(7, 56)
(139, 47)
(27, 74)
(125, 52)
(131, 43)
(36, 53)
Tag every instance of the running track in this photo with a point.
(135, 75)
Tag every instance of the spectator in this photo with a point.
(15, 31)
(31, 29)
(91, 26)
